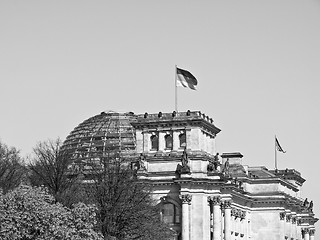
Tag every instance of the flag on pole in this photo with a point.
(278, 147)
(186, 79)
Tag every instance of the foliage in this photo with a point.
(125, 206)
(11, 167)
(49, 168)
(31, 213)
(125, 209)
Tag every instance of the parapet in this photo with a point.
(189, 118)
(290, 175)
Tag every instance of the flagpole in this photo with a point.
(275, 153)
(176, 90)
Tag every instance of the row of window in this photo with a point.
(168, 141)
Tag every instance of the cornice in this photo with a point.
(268, 181)
(278, 199)
(176, 155)
(289, 174)
(182, 119)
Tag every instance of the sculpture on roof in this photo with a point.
(226, 167)
(214, 163)
(184, 168)
(307, 206)
(141, 163)
(310, 207)
(184, 159)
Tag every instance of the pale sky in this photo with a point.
(257, 64)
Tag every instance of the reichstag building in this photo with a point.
(203, 195)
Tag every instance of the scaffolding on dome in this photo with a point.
(105, 138)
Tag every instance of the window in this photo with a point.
(182, 140)
(154, 142)
(168, 140)
(170, 213)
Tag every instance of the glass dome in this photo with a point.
(106, 137)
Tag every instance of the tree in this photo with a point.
(125, 206)
(125, 209)
(31, 213)
(49, 168)
(12, 169)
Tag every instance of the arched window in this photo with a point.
(168, 140)
(154, 142)
(171, 214)
(182, 140)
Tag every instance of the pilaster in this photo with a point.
(288, 225)
(161, 141)
(305, 234)
(311, 233)
(294, 227)
(176, 142)
(186, 201)
(215, 201)
(227, 220)
(146, 142)
(282, 224)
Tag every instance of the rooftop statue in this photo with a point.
(184, 168)
(214, 163)
(141, 163)
(184, 159)
(310, 207)
(226, 167)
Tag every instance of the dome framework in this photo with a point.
(106, 137)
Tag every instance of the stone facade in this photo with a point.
(202, 195)
(211, 197)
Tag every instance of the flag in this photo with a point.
(186, 79)
(278, 147)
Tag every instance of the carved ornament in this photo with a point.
(243, 215)
(305, 231)
(186, 198)
(294, 220)
(237, 213)
(216, 200)
(288, 218)
(312, 232)
(227, 204)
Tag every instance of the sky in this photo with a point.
(257, 65)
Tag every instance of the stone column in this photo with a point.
(311, 233)
(282, 224)
(238, 219)
(175, 139)
(186, 200)
(306, 235)
(242, 223)
(227, 220)
(211, 217)
(294, 227)
(216, 218)
(162, 144)
(146, 142)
